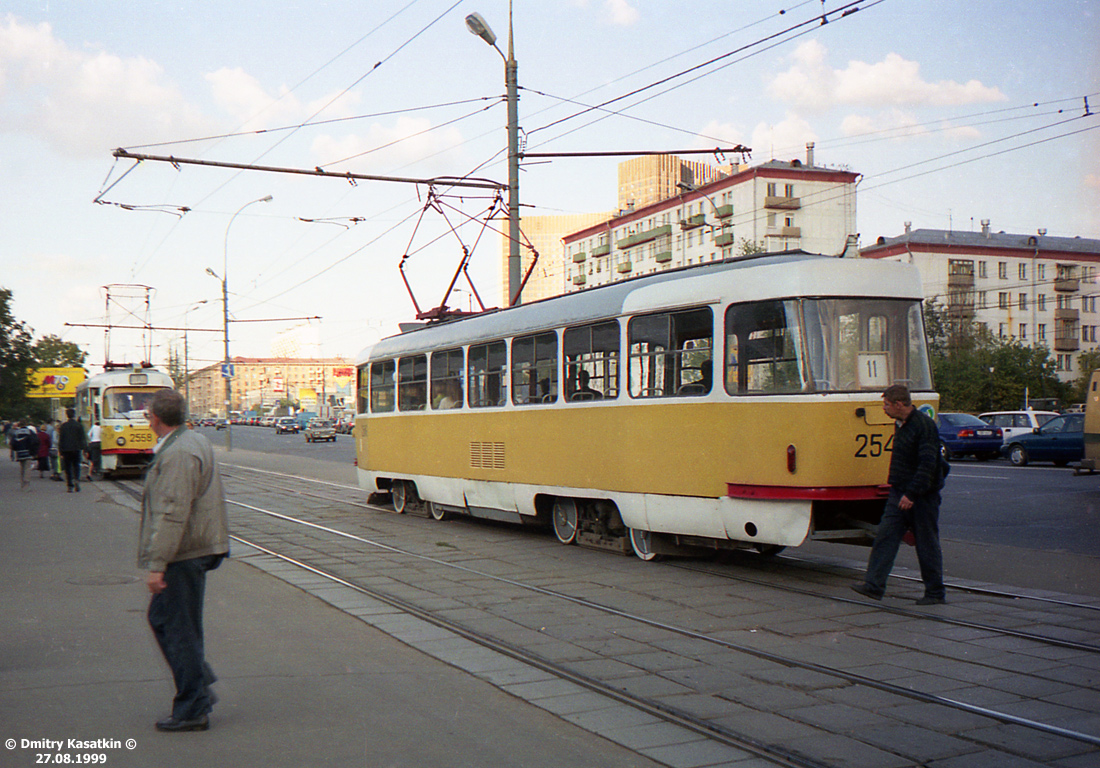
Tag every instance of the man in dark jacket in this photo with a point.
(914, 502)
(71, 442)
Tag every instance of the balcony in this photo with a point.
(580, 279)
(1067, 284)
(723, 240)
(663, 257)
(579, 256)
(691, 222)
(787, 232)
(600, 250)
(1066, 343)
(623, 267)
(644, 237)
(1068, 315)
(782, 203)
(960, 280)
(724, 211)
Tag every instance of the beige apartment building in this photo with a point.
(1035, 288)
(775, 206)
(324, 385)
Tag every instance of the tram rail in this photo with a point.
(710, 729)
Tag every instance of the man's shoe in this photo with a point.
(864, 590)
(926, 600)
(173, 725)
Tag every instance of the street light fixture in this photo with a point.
(225, 318)
(477, 25)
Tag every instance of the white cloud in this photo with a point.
(83, 103)
(389, 147)
(620, 12)
(812, 83)
(242, 96)
(784, 140)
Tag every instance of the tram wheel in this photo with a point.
(768, 550)
(642, 544)
(436, 511)
(401, 493)
(565, 519)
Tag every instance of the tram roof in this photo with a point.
(744, 279)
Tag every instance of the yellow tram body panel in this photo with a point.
(677, 449)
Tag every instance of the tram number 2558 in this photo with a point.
(872, 446)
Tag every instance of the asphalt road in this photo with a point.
(1031, 526)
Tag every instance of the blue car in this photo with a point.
(964, 435)
(1061, 440)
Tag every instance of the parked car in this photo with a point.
(287, 424)
(320, 429)
(1014, 423)
(964, 435)
(344, 425)
(221, 424)
(1061, 440)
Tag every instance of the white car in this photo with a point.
(1013, 423)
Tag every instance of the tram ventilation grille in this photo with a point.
(487, 455)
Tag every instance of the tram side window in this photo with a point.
(670, 353)
(382, 386)
(592, 361)
(535, 369)
(762, 348)
(412, 383)
(447, 379)
(362, 389)
(486, 375)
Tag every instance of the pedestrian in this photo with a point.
(24, 447)
(71, 442)
(55, 454)
(916, 477)
(94, 451)
(184, 534)
(44, 445)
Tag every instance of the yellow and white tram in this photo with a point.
(733, 404)
(116, 400)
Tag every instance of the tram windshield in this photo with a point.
(825, 345)
(127, 403)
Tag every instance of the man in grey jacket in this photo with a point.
(184, 534)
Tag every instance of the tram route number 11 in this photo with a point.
(872, 446)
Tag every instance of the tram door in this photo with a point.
(1092, 423)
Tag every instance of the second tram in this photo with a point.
(116, 400)
(734, 404)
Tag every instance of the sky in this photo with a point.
(951, 112)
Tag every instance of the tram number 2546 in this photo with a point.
(872, 446)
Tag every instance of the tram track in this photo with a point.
(644, 704)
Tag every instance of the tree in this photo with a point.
(51, 352)
(975, 371)
(749, 247)
(1087, 362)
(16, 361)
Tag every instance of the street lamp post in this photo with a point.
(478, 26)
(225, 318)
(186, 362)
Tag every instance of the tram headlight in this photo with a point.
(120, 441)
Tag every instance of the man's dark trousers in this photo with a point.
(71, 462)
(923, 519)
(175, 615)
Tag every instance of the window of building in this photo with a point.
(1002, 270)
(1041, 332)
(485, 375)
(1041, 301)
(1023, 301)
(592, 361)
(788, 190)
(670, 353)
(1041, 272)
(1000, 330)
(382, 386)
(1023, 332)
(412, 383)
(772, 189)
(1023, 271)
(447, 368)
(982, 272)
(535, 369)
(1002, 300)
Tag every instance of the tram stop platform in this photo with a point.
(300, 682)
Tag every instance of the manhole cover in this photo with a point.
(101, 580)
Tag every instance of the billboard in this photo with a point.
(55, 382)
